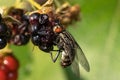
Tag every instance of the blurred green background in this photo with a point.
(98, 34)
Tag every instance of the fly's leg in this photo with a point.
(56, 56)
(60, 45)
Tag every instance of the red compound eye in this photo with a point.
(57, 29)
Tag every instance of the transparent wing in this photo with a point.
(82, 59)
(79, 56)
(75, 67)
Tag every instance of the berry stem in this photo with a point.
(35, 4)
(57, 3)
(48, 3)
(5, 50)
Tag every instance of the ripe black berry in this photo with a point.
(25, 18)
(34, 28)
(0, 17)
(3, 42)
(3, 29)
(43, 18)
(35, 39)
(24, 39)
(45, 47)
(34, 18)
(21, 39)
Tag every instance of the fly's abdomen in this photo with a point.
(65, 60)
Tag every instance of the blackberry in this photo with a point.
(43, 18)
(0, 17)
(34, 28)
(45, 47)
(24, 39)
(20, 39)
(3, 29)
(34, 18)
(35, 39)
(3, 42)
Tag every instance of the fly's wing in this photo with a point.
(75, 67)
(79, 56)
(82, 59)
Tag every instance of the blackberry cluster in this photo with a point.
(8, 67)
(41, 29)
(4, 33)
(20, 34)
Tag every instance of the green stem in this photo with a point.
(57, 3)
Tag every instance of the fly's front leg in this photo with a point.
(60, 45)
(56, 56)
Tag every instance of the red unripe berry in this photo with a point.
(4, 68)
(13, 75)
(1, 59)
(11, 62)
(3, 75)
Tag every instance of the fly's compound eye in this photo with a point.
(57, 29)
(43, 18)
